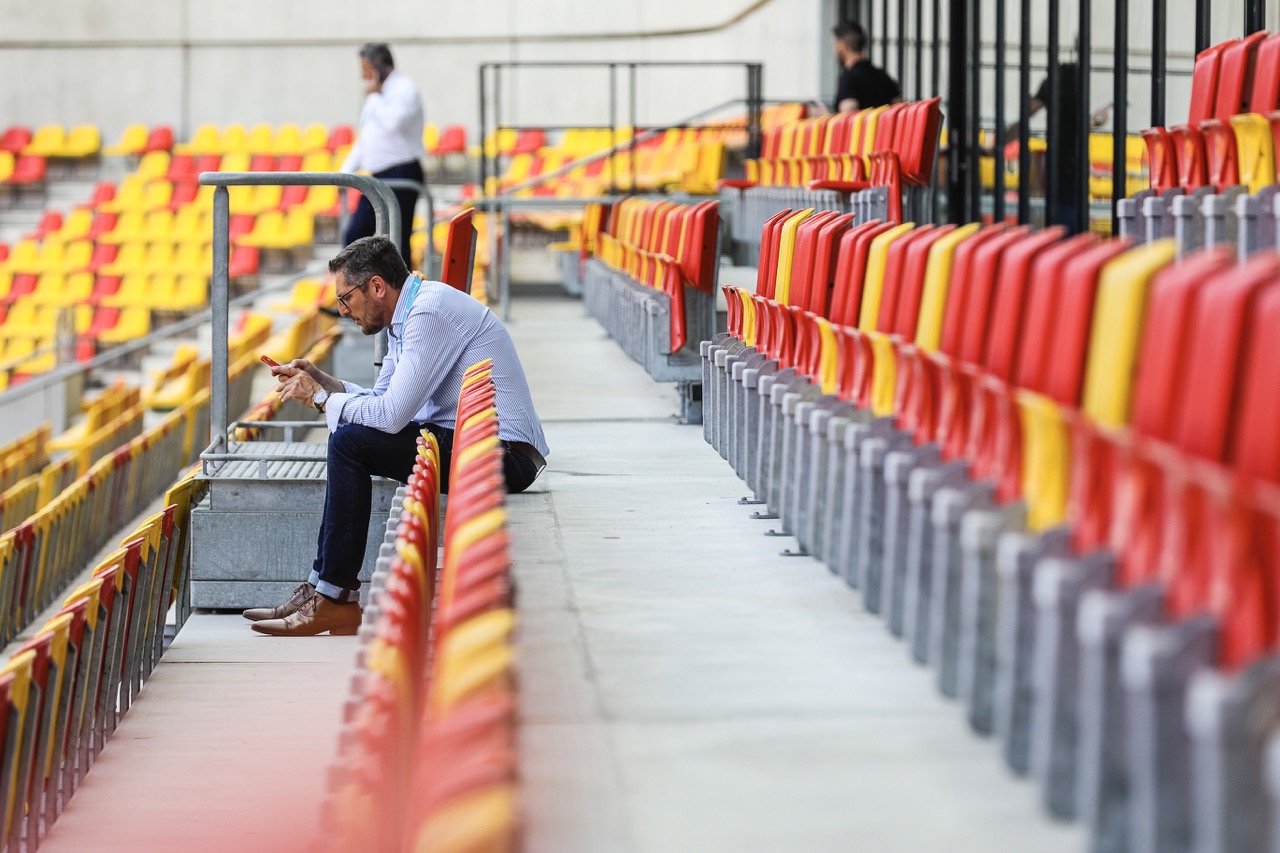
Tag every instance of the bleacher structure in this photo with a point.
(427, 756)
(1049, 462)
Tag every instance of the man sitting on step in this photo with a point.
(434, 334)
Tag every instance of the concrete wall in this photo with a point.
(185, 62)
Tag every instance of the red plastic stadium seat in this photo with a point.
(339, 136)
(1265, 96)
(160, 139)
(1234, 73)
(15, 139)
(453, 140)
(28, 169)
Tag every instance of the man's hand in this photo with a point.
(298, 386)
(372, 84)
(322, 379)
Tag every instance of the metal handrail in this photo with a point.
(386, 213)
(52, 377)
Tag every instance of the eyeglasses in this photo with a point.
(342, 300)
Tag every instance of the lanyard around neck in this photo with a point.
(407, 299)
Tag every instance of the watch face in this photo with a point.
(319, 397)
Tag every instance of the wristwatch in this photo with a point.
(319, 398)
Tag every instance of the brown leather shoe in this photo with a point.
(316, 615)
(300, 595)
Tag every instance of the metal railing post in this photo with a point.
(219, 294)
(386, 214)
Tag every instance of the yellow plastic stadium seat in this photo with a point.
(47, 141)
(153, 166)
(128, 195)
(1256, 154)
(873, 288)
(157, 195)
(84, 140)
(1117, 329)
(261, 139)
(317, 161)
(481, 821)
(288, 140)
(315, 137)
(158, 225)
(937, 281)
(1045, 451)
(135, 290)
(430, 137)
(206, 140)
(134, 322)
(191, 224)
(193, 259)
(132, 141)
(6, 165)
(191, 292)
(20, 665)
(75, 227)
(130, 259)
(786, 255)
(235, 140)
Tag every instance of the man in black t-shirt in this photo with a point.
(1066, 140)
(862, 85)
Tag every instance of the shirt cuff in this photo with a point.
(351, 387)
(333, 410)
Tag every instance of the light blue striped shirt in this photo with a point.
(431, 343)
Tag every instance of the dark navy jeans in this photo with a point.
(362, 223)
(356, 453)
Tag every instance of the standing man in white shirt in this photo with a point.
(390, 141)
(434, 334)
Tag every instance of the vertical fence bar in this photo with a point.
(1080, 192)
(902, 44)
(998, 184)
(497, 118)
(1203, 29)
(918, 55)
(613, 127)
(935, 72)
(957, 90)
(755, 103)
(1024, 114)
(631, 151)
(219, 296)
(1255, 16)
(1159, 60)
(936, 69)
(1120, 114)
(484, 162)
(1053, 152)
(884, 34)
(975, 116)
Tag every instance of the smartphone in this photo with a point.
(269, 361)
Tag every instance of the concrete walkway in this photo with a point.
(226, 748)
(683, 688)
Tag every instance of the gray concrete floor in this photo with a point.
(683, 687)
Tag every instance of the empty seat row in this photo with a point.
(651, 285)
(882, 157)
(1201, 171)
(427, 759)
(288, 139)
(1050, 464)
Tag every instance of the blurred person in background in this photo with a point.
(862, 85)
(390, 141)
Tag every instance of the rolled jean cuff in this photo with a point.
(331, 591)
